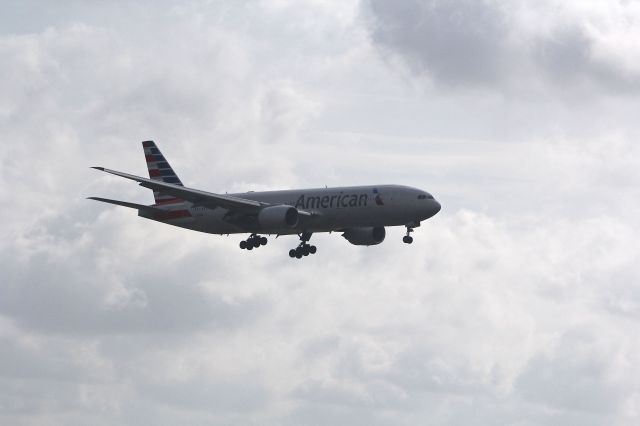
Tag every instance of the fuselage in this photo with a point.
(330, 209)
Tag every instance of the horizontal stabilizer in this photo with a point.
(195, 196)
(143, 208)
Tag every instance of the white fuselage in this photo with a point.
(331, 209)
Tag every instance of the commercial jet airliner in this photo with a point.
(360, 213)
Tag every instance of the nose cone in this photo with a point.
(430, 209)
(435, 207)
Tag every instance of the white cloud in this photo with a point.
(517, 304)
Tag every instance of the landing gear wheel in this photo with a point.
(254, 241)
(408, 239)
(303, 249)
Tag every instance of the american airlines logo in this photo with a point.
(337, 201)
(378, 197)
(331, 201)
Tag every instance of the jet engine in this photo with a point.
(278, 217)
(365, 236)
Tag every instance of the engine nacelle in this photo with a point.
(278, 217)
(365, 236)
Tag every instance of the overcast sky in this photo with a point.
(518, 304)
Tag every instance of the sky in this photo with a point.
(518, 304)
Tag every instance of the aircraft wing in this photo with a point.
(196, 196)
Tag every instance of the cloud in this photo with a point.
(520, 47)
(80, 284)
(517, 304)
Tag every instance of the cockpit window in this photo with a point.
(425, 196)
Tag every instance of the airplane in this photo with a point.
(360, 213)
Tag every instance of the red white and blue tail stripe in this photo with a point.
(159, 169)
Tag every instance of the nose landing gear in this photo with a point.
(303, 249)
(408, 239)
(254, 241)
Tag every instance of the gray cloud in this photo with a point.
(92, 291)
(509, 46)
(243, 395)
(459, 42)
(517, 304)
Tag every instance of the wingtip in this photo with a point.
(98, 168)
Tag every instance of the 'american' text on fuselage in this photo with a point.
(331, 201)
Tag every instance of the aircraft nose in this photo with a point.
(436, 207)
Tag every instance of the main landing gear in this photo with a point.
(254, 241)
(303, 249)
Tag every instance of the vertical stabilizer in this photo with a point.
(159, 169)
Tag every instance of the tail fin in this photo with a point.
(159, 169)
